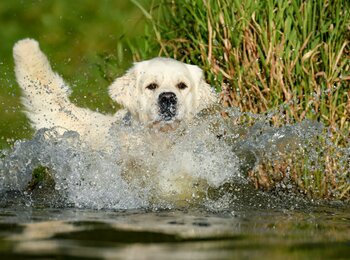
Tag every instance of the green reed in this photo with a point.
(261, 55)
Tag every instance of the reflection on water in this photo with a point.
(321, 232)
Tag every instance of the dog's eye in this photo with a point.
(152, 86)
(181, 85)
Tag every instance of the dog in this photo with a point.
(159, 93)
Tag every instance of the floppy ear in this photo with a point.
(205, 94)
(123, 89)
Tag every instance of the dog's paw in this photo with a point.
(25, 47)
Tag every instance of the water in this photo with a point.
(181, 194)
(34, 233)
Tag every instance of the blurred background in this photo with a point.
(80, 38)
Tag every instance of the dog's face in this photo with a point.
(162, 91)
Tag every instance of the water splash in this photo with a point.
(82, 177)
(208, 162)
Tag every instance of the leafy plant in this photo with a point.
(261, 54)
(292, 57)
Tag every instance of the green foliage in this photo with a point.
(293, 56)
(261, 54)
(41, 175)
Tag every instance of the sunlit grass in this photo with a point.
(264, 55)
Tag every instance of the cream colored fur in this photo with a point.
(45, 94)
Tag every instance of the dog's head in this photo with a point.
(162, 91)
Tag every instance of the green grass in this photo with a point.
(262, 54)
(79, 37)
(292, 57)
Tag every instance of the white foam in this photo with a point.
(144, 168)
(141, 168)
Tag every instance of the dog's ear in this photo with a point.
(123, 89)
(205, 94)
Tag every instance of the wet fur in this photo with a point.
(45, 95)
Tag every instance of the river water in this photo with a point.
(179, 195)
(56, 233)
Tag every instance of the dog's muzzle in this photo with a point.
(167, 102)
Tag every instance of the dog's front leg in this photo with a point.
(44, 93)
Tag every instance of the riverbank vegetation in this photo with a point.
(292, 57)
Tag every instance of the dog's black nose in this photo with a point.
(167, 105)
